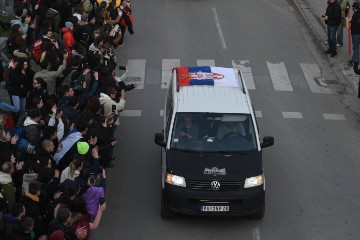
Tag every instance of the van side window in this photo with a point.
(168, 122)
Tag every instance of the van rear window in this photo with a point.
(213, 132)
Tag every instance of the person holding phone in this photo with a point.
(90, 192)
(112, 108)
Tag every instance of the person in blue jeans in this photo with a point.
(355, 32)
(332, 19)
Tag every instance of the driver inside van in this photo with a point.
(187, 129)
(231, 128)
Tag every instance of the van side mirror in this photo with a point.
(267, 142)
(159, 139)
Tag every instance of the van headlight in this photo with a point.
(254, 181)
(175, 180)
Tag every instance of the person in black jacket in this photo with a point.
(21, 85)
(12, 220)
(332, 20)
(355, 32)
(34, 209)
(357, 71)
(39, 89)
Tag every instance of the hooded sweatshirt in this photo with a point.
(32, 131)
(108, 103)
(27, 179)
(8, 188)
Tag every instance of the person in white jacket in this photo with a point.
(112, 108)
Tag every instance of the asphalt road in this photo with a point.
(311, 172)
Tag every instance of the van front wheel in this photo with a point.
(166, 212)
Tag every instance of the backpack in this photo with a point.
(87, 5)
(11, 45)
(37, 50)
(23, 144)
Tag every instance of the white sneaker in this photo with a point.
(326, 42)
(338, 45)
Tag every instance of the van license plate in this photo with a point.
(214, 209)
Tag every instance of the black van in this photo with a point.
(211, 154)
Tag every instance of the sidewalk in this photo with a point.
(311, 11)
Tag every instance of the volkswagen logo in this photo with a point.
(215, 185)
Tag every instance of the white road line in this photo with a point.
(258, 114)
(205, 62)
(292, 115)
(218, 27)
(312, 75)
(166, 71)
(161, 113)
(130, 113)
(279, 76)
(245, 68)
(136, 72)
(255, 234)
(329, 116)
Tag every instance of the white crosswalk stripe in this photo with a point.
(258, 114)
(245, 68)
(332, 116)
(313, 77)
(279, 76)
(166, 71)
(277, 71)
(136, 72)
(292, 115)
(206, 62)
(130, 113)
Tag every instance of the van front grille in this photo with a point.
(206, 185)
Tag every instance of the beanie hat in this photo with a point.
(68, 25)
(55, 36)
(82, 147)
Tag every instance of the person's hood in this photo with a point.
(82, 23)
(93, 48)
(28, 122)
(65, 30)
(104, 96)
(15, 21)
(9, 218)
(52, 12)
(5, 178)
(30, 177)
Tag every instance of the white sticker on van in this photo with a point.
(215, 171)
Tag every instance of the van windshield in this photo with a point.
(213, 132)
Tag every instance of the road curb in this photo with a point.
(318, 31)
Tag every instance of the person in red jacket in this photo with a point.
(68, 38)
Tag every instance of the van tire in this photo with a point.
(166, 212)
(260, 212)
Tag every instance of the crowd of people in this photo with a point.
(57, 134)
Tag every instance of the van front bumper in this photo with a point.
(243, 202)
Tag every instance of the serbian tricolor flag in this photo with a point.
(214, 76)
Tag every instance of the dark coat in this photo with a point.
(35, 210)
(333, 11)
(11, 223)
(355, 23)
(42, 92)
(22, 83)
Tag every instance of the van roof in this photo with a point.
(221, 98)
